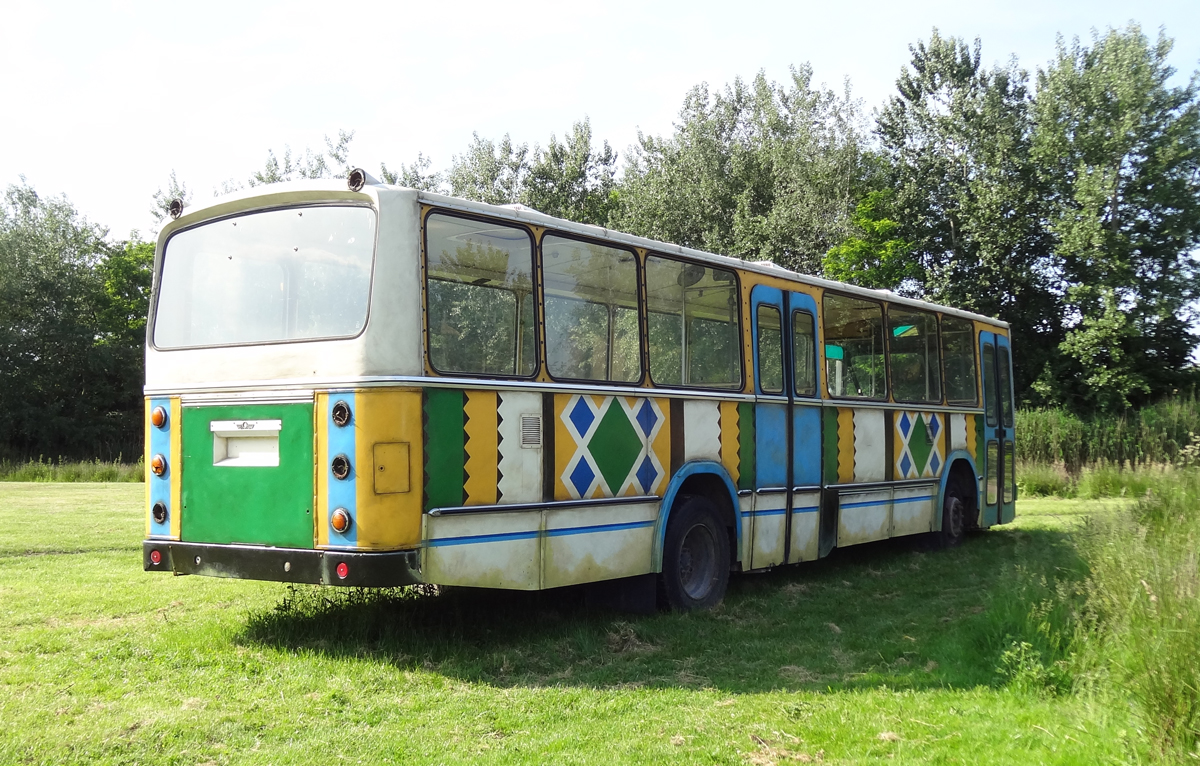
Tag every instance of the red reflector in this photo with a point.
(343, 570)
(155, 557)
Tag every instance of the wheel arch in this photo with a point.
(957, 462)
(699, 477)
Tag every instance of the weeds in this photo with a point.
(73, 470)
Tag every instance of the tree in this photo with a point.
(760, 170)
(1118, 151)
(955, 140)
(573, 179)
(415, 176)
(876, 255)
(490, 172)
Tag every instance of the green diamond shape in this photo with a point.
(919, 444)
(615, 446)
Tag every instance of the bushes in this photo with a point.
(73, 471)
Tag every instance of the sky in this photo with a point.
(103, 100)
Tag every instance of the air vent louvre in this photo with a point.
(531, 431)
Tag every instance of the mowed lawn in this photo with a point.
(887, 651)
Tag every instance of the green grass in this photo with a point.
(887, 651)
(72, 470)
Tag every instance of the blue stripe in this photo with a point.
(897, 501)
(781, 511)
(511, 536)
(342, 493)
(160, 486)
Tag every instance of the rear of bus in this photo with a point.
(282, 442)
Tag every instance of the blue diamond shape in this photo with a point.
(647, 474)
(646, 417)
(933, 426)
(582, 477)
(582, 416)
(905, 424)
(934, 463)
(905, 464)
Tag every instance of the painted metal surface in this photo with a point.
(864, 517)
(262, 505)
(913, 509)
(805, 526)
(609, 446)
(164, 489)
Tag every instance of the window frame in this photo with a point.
(761, 389)
(740, 385)
(535, 278)
(974, 344)
(643, 359)
(161, 262)
(816, 389)
(824, 341)
(937, 329)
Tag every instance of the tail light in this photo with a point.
(340, 521)
(158, 464)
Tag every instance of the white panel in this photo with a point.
(864, 516)
(958, 431)
(912, 510)
(600, 543)
(746, 506)
(869, 445)
(769, 530)
(520, 468)
(806, 523)
(701, 430)
(451, 558)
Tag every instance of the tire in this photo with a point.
(695, 570)
(954, 515)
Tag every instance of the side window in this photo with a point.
(914, 359)
(989, 384)
(1006, 403)
(692, 317)
(958, 354)
(591, 311)
(804, 353)
(479, 296)
(770, 350)
(854, 347)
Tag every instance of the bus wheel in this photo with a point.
(954, 512)
(695, 569)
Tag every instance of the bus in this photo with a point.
(351, 383)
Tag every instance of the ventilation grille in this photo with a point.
(531, 431)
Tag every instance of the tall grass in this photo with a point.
(1158, 434)
(1139, 630)
(72, 470)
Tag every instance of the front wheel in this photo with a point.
(695, 569)
(954, 515)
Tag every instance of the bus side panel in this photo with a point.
(483, 550)
(389, 452)
(583, 545)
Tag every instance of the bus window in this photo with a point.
(989, 383)
(770, 350)
(804, 354)
(855, 328)
(692, 314)
(591, 311)
(480, 307)
(913, 358)
(958, 354)
(1006, 405)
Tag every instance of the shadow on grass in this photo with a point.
(892, 613)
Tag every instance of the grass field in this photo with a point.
(886, 652)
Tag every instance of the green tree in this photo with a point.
(875, 255)
(1118, 151)
(573, 179)
(760, 170)
(490, 172)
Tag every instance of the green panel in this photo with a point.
(919, 444)
(829, 441)
(259, 505)
(445, 451)
(746, 445)
(615, 446)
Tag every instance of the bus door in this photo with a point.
(997, 459)
(787, 428)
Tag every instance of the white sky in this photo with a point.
(103, 100)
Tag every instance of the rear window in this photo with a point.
(266, 277)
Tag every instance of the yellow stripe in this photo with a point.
(730, 431)
(482, 448)
(176, 468)
(971, 437)
(845, 445)
(146, 459)
(321, 477)
(662, 446)
(564, 446)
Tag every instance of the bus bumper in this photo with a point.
(252, 562)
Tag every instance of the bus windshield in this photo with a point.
(290, 274)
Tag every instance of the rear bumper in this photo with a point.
(253, 562)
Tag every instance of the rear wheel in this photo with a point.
(954, 514)
(695, 569)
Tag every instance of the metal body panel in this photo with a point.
(864, 517)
